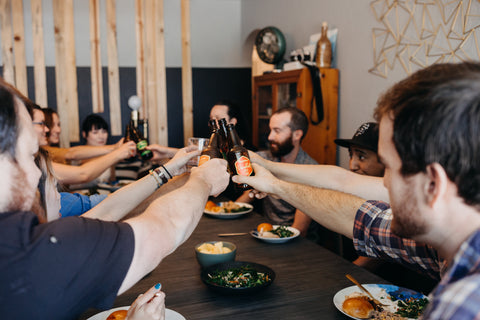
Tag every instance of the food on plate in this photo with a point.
(210, 204)
(268, 234)
(243, 277)
(282, 232)
(118, 315)
(215, 248)
(264, 227)
(358, 307)
(411, 307)
(225, 207)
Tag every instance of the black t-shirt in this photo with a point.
(59, 269)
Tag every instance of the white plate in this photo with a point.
(381, 292)
(257, 235)
(169, 314)
(232, 215)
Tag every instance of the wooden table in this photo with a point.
(307, 278)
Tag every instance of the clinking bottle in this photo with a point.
(211, 151)
(237, 157)
(223, 140)
(133, 134)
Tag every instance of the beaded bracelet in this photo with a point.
(159, 177)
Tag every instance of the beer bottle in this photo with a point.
(135, 135)
(212, 150)
(237, 157)
(222, 127)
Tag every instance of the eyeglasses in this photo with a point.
(40, 123)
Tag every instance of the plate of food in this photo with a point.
(227, 209)
(398, 302)
(275, 233)
(237, 277)
(114, 314)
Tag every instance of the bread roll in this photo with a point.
(118, 315)
(358, 307)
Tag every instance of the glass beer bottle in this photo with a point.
(237, 157)
(135, 135)
(222, 129)
(212, 150)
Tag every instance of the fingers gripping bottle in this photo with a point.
(237, 157)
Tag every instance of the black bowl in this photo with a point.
(232, 265)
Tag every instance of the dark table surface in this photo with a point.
(307, 277)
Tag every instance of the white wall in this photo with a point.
(359, 89)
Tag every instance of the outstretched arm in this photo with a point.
(139, 194)
(88, 171)
(333, 209)
(171, 219)
(63, 155)
(327, 176)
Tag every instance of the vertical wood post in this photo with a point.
(7, 41)
(186, 72)
(113, 73)
(39, 56)
(162, 119)
(140, 40)
(19, 47)
(96, 58)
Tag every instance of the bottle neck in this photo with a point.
(233, 138)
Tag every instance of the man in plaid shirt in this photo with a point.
(429, 143)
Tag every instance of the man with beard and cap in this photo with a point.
(288, 127)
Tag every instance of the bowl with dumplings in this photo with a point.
(213, 252)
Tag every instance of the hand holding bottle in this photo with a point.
(178, 164)
(214, 173)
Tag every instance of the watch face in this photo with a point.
(267, 43)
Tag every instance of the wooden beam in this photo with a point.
(186, 72)
(39, 72)
(162, 116)
(96, 58)
(140, 40)
(65, 71)
(19, 47)
(151, 62)
(113, 73)
(7, 41)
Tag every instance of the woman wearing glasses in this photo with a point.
(67, 174)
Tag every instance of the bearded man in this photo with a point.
(288, 127)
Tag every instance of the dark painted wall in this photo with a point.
(209, 86)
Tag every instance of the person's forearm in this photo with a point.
(87, 171)
(336, 213)
(331, 177)
(124, 200)
(301, 222)
(166, 223)
(87, 152)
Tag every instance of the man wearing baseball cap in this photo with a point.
(363, 150)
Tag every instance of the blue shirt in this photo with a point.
(75, 204)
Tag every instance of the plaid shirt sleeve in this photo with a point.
(372, 237)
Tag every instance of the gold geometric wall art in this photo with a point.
(417, 33)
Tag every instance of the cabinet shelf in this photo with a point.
(294, 89)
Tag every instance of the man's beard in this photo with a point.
(283, 148)
(407, 222)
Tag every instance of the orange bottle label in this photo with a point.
(243, 166)
(203, 158)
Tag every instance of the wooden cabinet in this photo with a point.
(294, 89)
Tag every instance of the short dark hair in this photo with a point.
(234, 111)
(298, 120)
(436, 119)
(9, 129)
(94, 121)
(48, 112)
